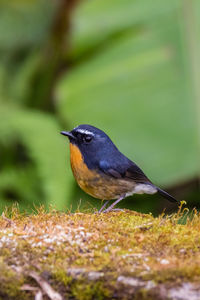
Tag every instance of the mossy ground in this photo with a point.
(116, 255)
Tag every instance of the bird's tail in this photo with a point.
(166, 195)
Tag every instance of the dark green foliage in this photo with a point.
(124, 66)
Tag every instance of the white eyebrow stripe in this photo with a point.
(85, 131)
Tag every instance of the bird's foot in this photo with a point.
(111, 207)
(102, 208)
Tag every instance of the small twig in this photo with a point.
(37, 291)
(45, 286)
(38, 295)
(27, 287)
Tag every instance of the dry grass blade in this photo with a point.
(45, 286)
(145, 226)
(10, 222)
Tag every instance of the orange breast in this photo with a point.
(99, 186)
(84, 177)
(79, 168)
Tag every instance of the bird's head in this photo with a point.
(90, 140)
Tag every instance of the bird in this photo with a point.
(102, 171)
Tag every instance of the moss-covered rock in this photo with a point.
(83, 256)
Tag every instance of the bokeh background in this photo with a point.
(129, 67)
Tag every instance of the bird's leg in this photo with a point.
(102, 208)
(113, 204)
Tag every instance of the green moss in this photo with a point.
(61, 276)
(191, 273)
(82, 290)
(10, 284)
(144, 294)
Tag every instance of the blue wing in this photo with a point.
(123, 169)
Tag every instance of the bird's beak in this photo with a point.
(68, 134)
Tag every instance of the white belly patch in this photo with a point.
(142, 189)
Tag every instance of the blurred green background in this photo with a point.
(129, 67)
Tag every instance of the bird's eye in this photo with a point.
(87, 138)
